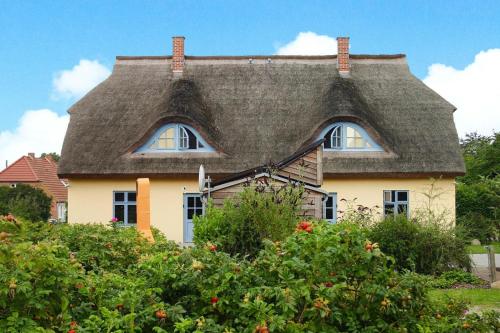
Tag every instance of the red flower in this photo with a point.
(214, 300)
(304, 226)
(213, 248)
(72, 331)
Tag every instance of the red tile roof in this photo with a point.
(43, 170)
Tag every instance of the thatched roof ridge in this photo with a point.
(260, 111)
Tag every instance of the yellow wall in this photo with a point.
(369, 193)
(92, 200)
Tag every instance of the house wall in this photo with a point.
(369, 193)
(91, 201)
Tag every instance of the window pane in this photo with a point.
(190, 213)
(198, 211)
(402, 196)
(169, 133)
(131, 196)
(200, 145)
(402, 208)
(198, 202)
(132, 214)
(190, 202)
(329, 202)
(354, 138)
(329, 213)
(192, 141)
(337, 137)
(387, 196)
(388, 209)
(355, 142)
(183, 140)
(120, 212)
(328, 141)
(165, 144)
(119, 196)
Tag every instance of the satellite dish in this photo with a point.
(201, 178)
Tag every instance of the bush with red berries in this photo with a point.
(322, 278)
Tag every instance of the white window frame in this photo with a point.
(333, 220)
(396, 203)
(61, 211)
(181, 140)
(343, 136)
(125, 204)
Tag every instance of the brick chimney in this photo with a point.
(177, 55)
(343, 56)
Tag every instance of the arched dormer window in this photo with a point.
(345, 136)
(175, 138)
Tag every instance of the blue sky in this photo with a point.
(39, 39)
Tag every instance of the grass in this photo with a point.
(482, 298)
(479, 249)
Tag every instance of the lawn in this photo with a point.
(478, 249)
(482, 298)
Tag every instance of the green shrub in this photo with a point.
(455, 277)
(26, 202)
(423, 248)
(37, 285)
(263, 211)
(322, 278)
(477, 226)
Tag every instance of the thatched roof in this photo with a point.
(260, 111)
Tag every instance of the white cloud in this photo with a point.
(77, 81)
(309, 43)
(474, 90)
(39, 131)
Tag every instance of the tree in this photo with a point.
(482, 156)
(25, 201)
(478, 191)
(55, 156)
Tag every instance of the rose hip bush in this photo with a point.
(323, 278)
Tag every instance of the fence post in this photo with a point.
(491, 263)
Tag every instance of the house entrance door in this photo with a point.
(192, 206)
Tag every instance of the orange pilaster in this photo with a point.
(143, 208)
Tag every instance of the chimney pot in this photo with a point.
(343, 56)
(178, 54)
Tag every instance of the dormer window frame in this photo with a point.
(180, 136)
(338, 138)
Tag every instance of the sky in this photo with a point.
(53, 52)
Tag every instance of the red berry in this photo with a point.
(73, 324)
(328, 284)
(213, 247)
(72, 331)
(214, 300)
(160, 314)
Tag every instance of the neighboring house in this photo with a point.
(377, 135)
(40, 172)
